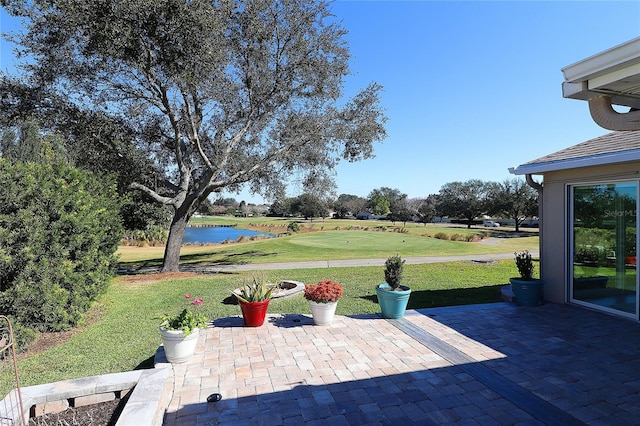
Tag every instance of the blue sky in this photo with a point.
(471, 88)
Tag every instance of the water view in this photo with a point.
(204, 235)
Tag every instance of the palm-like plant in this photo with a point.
(259, 290)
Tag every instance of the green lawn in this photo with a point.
(278, 224)
(332, 244)
(126, 335)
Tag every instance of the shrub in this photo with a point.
(524, 264)
(293, 227)
(441, 236)
(23, 335)
(155, 235)
(587, 254)
(394, 267)
(59, 230)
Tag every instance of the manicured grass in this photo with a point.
(279, 225)
(326, 245)
(126, 334)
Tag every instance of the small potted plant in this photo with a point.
(323, 299)
(180, 332)
(254, 300)
(526, 289)
(392, 296)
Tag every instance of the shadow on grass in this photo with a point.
(452, 297)
(146, 364)
(496, 233)
(230, 300)
(197, 259)
(229, 259)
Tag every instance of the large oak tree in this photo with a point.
(467, 200)
(515, 199)
(222, 93)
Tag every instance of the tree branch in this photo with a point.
(153, 194)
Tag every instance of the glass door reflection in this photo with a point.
(604, 246)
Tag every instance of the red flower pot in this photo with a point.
(254, 313)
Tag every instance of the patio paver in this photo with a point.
(479, 364)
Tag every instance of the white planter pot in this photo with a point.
(178, 348)
(323, 312)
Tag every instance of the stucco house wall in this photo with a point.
(553, 253)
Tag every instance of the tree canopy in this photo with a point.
(384, 200)
(221, 94)
(467, 200)
(515, 199)
(349, 204)
(309, 206)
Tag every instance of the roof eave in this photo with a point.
(601, 74)
(605, 62)
(574, 163)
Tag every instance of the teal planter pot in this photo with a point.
(527, 292)
(393, 304)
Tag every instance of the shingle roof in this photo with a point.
(615, 147)
(606, 144)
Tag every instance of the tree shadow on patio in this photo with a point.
(452, 297)
(290, 320)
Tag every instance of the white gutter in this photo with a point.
(610, 73)
(604, 62)
(574, 163)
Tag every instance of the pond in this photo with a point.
(205, 235)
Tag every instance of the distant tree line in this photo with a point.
(467, 201)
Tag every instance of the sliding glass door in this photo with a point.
(604, 250)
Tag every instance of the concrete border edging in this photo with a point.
(143, 400)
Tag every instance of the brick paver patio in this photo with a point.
(481, 364)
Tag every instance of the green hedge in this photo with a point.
(59, 230)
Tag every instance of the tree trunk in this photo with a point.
(174, 242)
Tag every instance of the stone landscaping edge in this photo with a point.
(142, 386)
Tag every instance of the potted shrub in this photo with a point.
(392, 296)
(526, 289)
(323, 299)
(254, 300)
(180, 332)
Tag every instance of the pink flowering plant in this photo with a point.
(323, 292)
(188, 320)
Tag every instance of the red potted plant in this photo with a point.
(323, 299)
(254, 301)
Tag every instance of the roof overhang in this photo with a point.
(614, 72)
(574, 163)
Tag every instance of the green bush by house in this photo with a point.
(59, 230)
